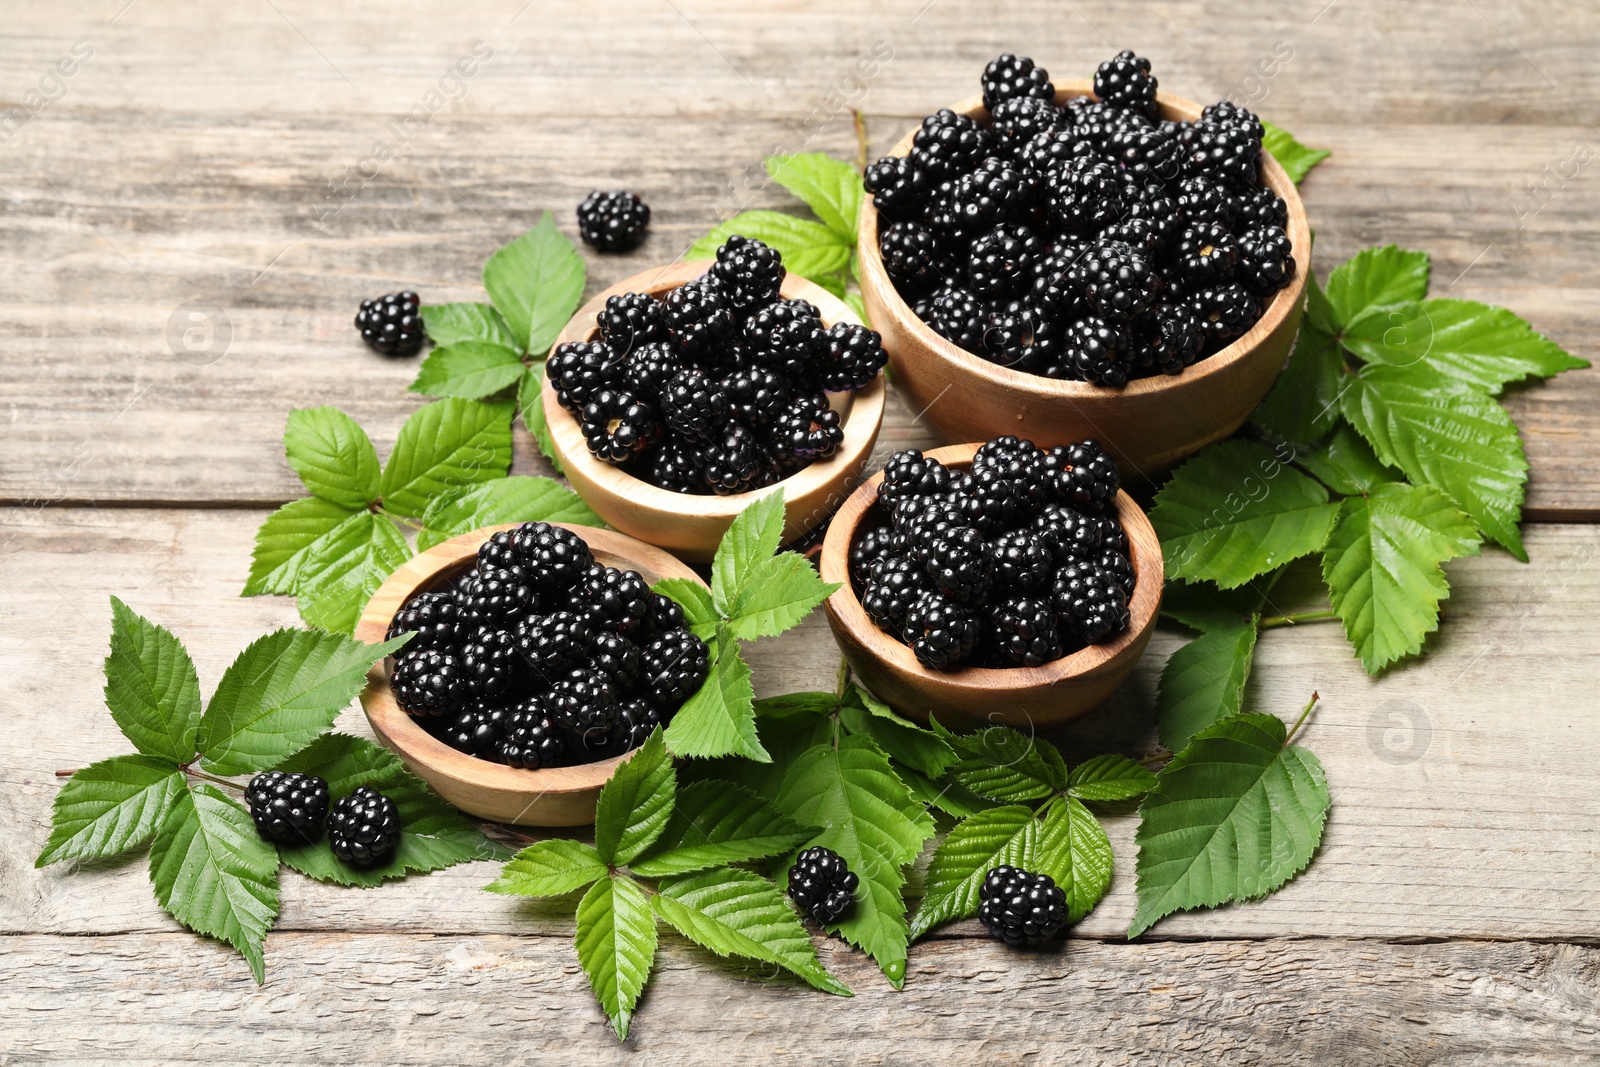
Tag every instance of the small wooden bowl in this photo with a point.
(692, 525)
(1148, 424)
(1018, 696)
(560, 796)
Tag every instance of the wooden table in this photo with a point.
(1452, 915)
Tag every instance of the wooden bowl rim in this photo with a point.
(1143, 606)
(1037, 386)
(420, 748)
(860, 418)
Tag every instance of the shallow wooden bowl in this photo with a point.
(692, 525)
(560, 796)
(1148, 424)
(1019, 696)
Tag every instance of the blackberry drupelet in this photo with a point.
(554, 557)
(1022, 631)
(697, 318)
(1266, 259)
(1090, 602)
(614, 600)
(941, 633)
(896, 186)
(1125, 81)
(747, 273)
(1011, 77)
(1021, 908)
(429, 681)
(822, 885)
(613, 220)
(392, 324)
(287, 808)
(629, 321)
(673, 667)
(532, 739)
(433, 617)
(617, 425)
(912, 256)
(552, 645)
(808, 429)
(363, 828)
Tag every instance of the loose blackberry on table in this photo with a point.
(822, 885)
(287, 808)
(613, 220)
(392, 324)
(364, 828)
(1021, 908)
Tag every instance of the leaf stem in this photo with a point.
(1304, 715)
(1270, 621)
(197, 773)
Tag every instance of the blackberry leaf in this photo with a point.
(531, 405)
(342, 571)
(549, 869)
(1072, 848)
(972, 847)
(1376, 278)
(830, 188)
(1479, 344)
(1203, 607)
(468, 369)
(332, 455)
(151, 687)
(903, 740)
(1304, 404)
(719, 720)
(290, 535)
(536, 282)
(1203, 681)
(449, 324)
(635, 803)
(1006, 765)
(716, 823)
(948, 795)
(444, 447)
(110, 807)
(1110, 777)
(616, 945)
(695, 600)
(779, 592)
(1345, 463)
(752, 539)
(1295, 158)
(808, 248)
(517, 498)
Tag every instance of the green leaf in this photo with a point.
(719, 720)
(1233, 817)
(903, 740)
(110, 807)
(716, 823)
(1382, 566)
(808, 248)
(964, 858)
(783, 737)
(1295, 158)
(1073, 849)
(281, 693)
(468, 369)
(536, 282)
(869, 818)
(616, 946)
(797, 706)
(1110, 777)
(550, 869)
(1006, 765)
(831, 189)
(1203, 607)
(737, 913)
(290, 535)
(1304, 404)
(532, 408)
(1345, 463)
(780, 592)
(443, 448)
(1203, 682)
(517, 498)
(151, 687)
(635, 803)
(751, 540)
(449, 324)
(1479, 344)
(1443, 432)
(1235, 511)
(695, 600)
(332, 455)
(948, 795)
(433, 834)
(213, 873)
(340, 574)
(1376, 278)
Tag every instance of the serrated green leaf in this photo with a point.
(617, 946)
(1072, 848)
(1203, 682)
(517, 498)
(1005, 764)
(1304, 404)
(783, 738)
(946, 794)
(468, 369)
(737, 913)
(212, 872)
(1203, 607)
(342, 571)
(1479, 344)
(869, 818)
(964, 858)
(280, 694)
(532, 409)
(695, 600)
(1295, 158)
(332, 455)
(1346, 464)
(1235, 511)
(1443, 432)
(903, 740)
(1382, 566)
(291, 534)
(549, 869)
(536, 282)
(717, 823)
(813, 705)
(449, 324)
(752, 539)
(443, 448)
(830, 188)
(635, 803)
(719, 720)
(110, 807)
(1376, 278)
(1233, 816)
(779, 592)
(1110, 777)
(808, 248)
(151, 687)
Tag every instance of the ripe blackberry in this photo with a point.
(734, 461)
(990, 501)
(1021, 561)
(429, 681)
(941, 215)
(1096, 351)
(614, 600)
(1054, 147)
(1022, 631)
(756, 396)
(616, 659)
(629, 321)
(479, 731)
(496, 596)
(912, 256)
(618, 426)
(747, 273)
(1081, 476)
(1117, 564)
(941, 633)
(695, 405)
(1207, 254)
(822, 885)
(613, 220)
(1010, 77)
(1055, 289)
(363, 828)
(674, 666)
(1112, 537)
(896, 186)
(499, 553)
(957, 315)
(433, 617)
(1172, 339)
(1090, 602)
(552, 645)
(697, 318)
(1225, 311)
(849, 356)
(636, 720)
(1125, 81)
(1118, 282)
(996, 191)
(909, 473)
(677, 465)
(961, 564)
(1085, 195)
(1152, 223)
(532, 739)
(1001, 260)
(392, 324)
(808, 429)
(784, 338)
(1204, 198)
(554, 558)
(1266, 259)
(490, 663)
(948, 145)
(1229, 151)
(287, 808)
(648, 369)
(892, 586)
(1067, 534)
(1147, 153)
(585, 707)
(1228, 113)
(1260, 207)
(867, 549)
(1020, 907)
(1020, 121)
(580, 369)
(664, 616)
(917, 532)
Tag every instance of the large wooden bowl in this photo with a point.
(692, 525)
(559, 796)
(1018, 696)
(1148, 424)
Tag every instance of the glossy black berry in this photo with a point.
(532, 738)
(364, 828)
(1021, 120)
(1096, 350)
(822, 885)
(697, 318)
(958, 315)
(941, 632)
(892, 586)
(748, 273)
(616, 659)
(1090, 602)
(1009, 77)
(784, 338)
(733, 461)
(392, 324)
(909, 473)
(629, 321)
(912, 256)
(757, 396)
(1080, 476)
(479, 731)
(490, 663)
(618, 426)
(1022, 562)
(868, 547)
(1125, 81)
(897, 187)
(1225, 311)
(1022, 631)
(287, 808)
(552, 645)
(1207, 254)
(429, 682)
(584, 706)
(1001, 260)
(1085, 194)
(492, 596)
(1266, 259)
(614, 600)
(613, 220)
(1021, 908)
(673, 667)
(433, 617)
(1118, 282)
(554, 558)
(947, 144)
(808, 428)
(695, 405)
(678, 464)
(578, 370)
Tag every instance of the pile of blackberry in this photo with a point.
(541, 657)
(721, 386)
(1016, 562)
(292, 809)
(1092, 241)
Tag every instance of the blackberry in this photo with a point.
(1112, 537)
(1117, 281)
(1067, 534)
(1225, 311)
(1207, 254)
(747, 273)
(496, 596)
(674, 666)
(784, 338)
(1021, 561)
(996, 191)
(363, 828)
(664, 616)
(392, 324)
(822, 885)
(868, 548)
(1172, 340)
(697, 318)
(616, 659)
(1021, 908)
(613, 220)
(990, 501)
(961, 564)
(734, 462)
(1096, 351)
(649, 368)
(490, 663)
(618, 426)
(911, 256)
(1229, 151)
(1055, 288)
(1055, 147)
(1001, 260)
(941, 633)
(1090, 602)
(1021, 120)
(892, 586)
(1081, 476)
(614, 600)
(429, 681)
(580, 369)
(808, 429)
(896, 186)
(1266, 259)
(1022, 631)
(916, 535)
(677, 465)
(1117, 564)
(756, 396)
(532, 739)
(630, 321)
(479, 731)
(957, 315)
(910, 473)
(1203, 198)
(554, 557)
(1085, 195)
(1147, 153)
(1228, 113)
(1125, 81)
(552, 645)
(1260, 207)
(585, 707)
(636, 721)
(1153, 220)
(433, 617)
(948, 145)
(499, 553)
(695, 405)
(1010, 77)
(287, 808)
(941, 215)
